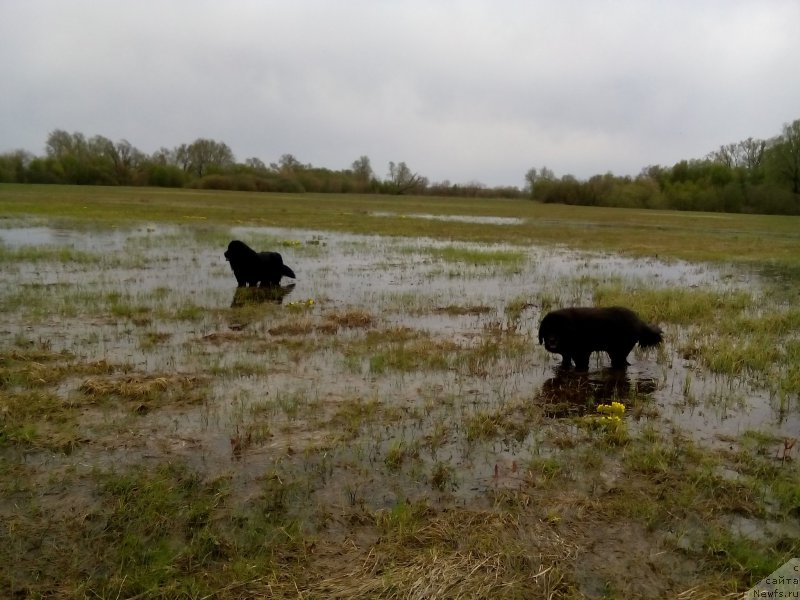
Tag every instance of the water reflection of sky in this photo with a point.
(365, 269)
(485, 220)
(388, 275)
(79, 239)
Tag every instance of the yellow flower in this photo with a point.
(615, 408)
(301, 303)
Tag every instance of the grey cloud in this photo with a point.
(473, 90)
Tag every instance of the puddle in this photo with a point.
(488, 220)
(163, 300)
(84, 239)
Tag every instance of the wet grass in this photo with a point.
(732, 334)
(681, 306)
(39, 254)
(769, 242)
(164, 436)
(469, 258)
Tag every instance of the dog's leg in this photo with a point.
(582, 360)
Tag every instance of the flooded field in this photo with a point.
(393, 372)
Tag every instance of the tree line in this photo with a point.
(759, 176)
(755, 176)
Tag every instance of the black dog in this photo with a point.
(575, 333)
(253, 268)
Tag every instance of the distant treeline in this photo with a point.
(755, 176)
(758, 176)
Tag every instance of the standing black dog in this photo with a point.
(575, 333)
(253, 268)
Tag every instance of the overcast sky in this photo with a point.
(473, 90)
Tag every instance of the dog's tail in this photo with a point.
(650, 335)
(287, 272)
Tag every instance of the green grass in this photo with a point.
(508, 260)
(733, 334)
(158, 521)
(398, 453)
(681, 306)
(443, 477)
(41, 254)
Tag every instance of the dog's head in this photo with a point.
(551, 342)
(552, 331)
(238, 250)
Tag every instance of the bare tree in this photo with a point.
(402, 179)
(362, 169)
(256, 164)
(203, 154)
(726, 155)
(752, 153)
(747, 154)
(165, 156)
(126, 158)
(535, 176)
(288, 164)
(61, 144)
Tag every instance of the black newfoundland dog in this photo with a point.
(575, 333)
(253, 268)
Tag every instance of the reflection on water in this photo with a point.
(29, 236)
(486, 220)
(574, 393)
(81, 239)
(390, 282)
